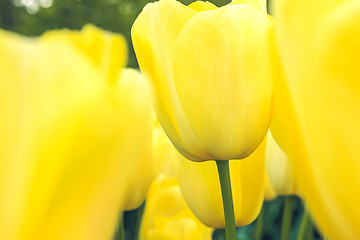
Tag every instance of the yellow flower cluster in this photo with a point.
(80, 143)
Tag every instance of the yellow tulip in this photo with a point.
(277, 165)
(211, 73)
(106, 51)
(141, 171)
(102, 49)
(68, 138)
(317, 114)
(200, 186)
(167, 216)
(269, 193)
(164, 152)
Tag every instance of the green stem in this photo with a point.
(304, 225)
(120, 233)
(287, 217)
(259, 225)
(140, 212)
(224, 176)
(310, 231)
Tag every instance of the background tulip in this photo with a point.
(269, 193)
(141, 172)
(211, 75)
(67, 138)
(167, 216)
(278, 168)
(316, 116)
(164, 152)
(201, 188)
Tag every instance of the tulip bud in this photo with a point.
(200, 186)
(167, 216)
(68, 138)
(316, 107)
(211, 74)
(278, 168)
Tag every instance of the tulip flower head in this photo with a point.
(68, 138)
(316, 107)
(164, 152)
(168, 217)
(278, 168)
(210, 70)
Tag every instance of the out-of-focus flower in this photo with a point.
(278, 170)
(200, 186)
(141, 174)
(106, 51)
(167, 216)
(269, 193)
(164, 152)
(211, 73)
(317, 98)
(68, 138)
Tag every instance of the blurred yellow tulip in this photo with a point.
(141, 171)
(167, 216)
(317, 114)
(105, 51)
(68, 138)
(200, 186)
(211, 73)
(278, 169)
(164, 152)
(269, 193)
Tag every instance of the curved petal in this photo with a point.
(107, 51)
(67, 142)
(322, 83)
(200, 185)
(201, 6)
(131, 82)
(278, 168)
(167, 216)
(224, 86)
(154, 34)
(259, 4)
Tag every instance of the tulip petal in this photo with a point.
(278, 168)
(62, 132)
(200, 185)
(201, 6)
(319, 46)
(259, 4)
(224, 92)
(167, 216)
(107, 51)
(154, 34)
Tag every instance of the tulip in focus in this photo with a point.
(317, 114)
(211, 73)
(69, 138)
(167, 216)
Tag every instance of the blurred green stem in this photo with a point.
(224, 176)
(259, 225)
(120, 233)
(304, 225)
(139, 215)
(287, 217)
(310, 231)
